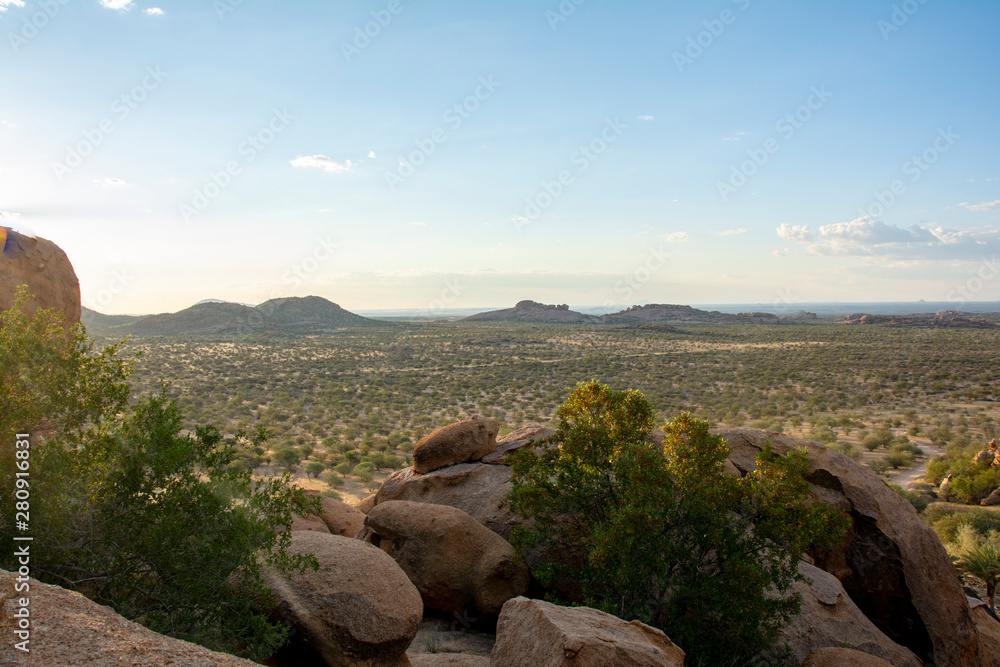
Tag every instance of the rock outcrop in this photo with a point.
(358, 609)
(339, 517)
(44, 268)
(68, 630)
(512, 442)
(839, 657)
(532, 311)
(829, 618)
(457, 564)
(478, 489)
(309, 523)
(892, 565)
(989, 629)
(463, 441)
(992, 499)
(533, 632)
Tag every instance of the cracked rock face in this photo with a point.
(892, 566)
(44, 268)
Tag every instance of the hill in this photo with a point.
(311, 314)
(532, 311)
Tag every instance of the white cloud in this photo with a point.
(7, 123)
(154, 11)
(735, 137)
(646, 118)
(371, 154)
(733, 232)
(985, 206)
(869, 236)
(677, 237)
(322, 162)
(117, 4)
(110, 182)
(4, 4)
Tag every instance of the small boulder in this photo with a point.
(309, 523)
(829, 618)
(359, 608)
(839, 657)
(457, 564)
(944, 491)
(522, 437)
(464, 441)
(992, 499)
(365, 505)
(533, 632)
(339, 517)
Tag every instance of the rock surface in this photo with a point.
(475, 488)
(989, 631)
(519, 439)
(992, 499)
(537, 633)
(358, 609)
(440, 642)
(457, 564)
(68, 630)
(463, 441)
(829, 618)
(44, 268)
(839, 657)
(309, 523)
(339, 517)
(893, 565)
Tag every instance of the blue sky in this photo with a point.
(467, 154)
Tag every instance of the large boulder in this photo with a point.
(839, 657)
(537, 633)
(464, 441)
(892, 564)
(829, 618)
(457, 564)
(477, 489)
(44, 268)
(523, 437)
(989, 629)
(339, 517)
(359, 608)
(309, 523)
(68, 630)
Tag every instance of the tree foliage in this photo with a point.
(166, 528)
(670, 538)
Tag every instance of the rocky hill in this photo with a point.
(532, 311)
(948, 319)
(311, 314)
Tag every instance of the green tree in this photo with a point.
(670, 538)
(288, 457)
(314, 468)
(162, 527)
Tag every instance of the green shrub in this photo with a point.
(918, 501)
(666, 531)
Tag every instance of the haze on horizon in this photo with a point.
(468, 154)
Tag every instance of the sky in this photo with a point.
(410, 154)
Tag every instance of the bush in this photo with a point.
(163, 528)
(899, 459)
(879, 466)
(871, 443)
(918, 501)
(667, 533)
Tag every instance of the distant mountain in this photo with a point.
(311, 314)
(531, 311)
(949, 319)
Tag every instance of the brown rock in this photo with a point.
(456, 563)
(992, 499)
(520, 438)
(309, 523)
(339, 517)
(477, 489)
(44, 268)
(893, 565)
(358, 609)
(984, 456)
(68, 630)
(366, 504)
(537, 633)
(829, 618)
(448, 660)
(839, 657)
(468, 440)
(441, 643)
(944, 491)
(989, 632)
